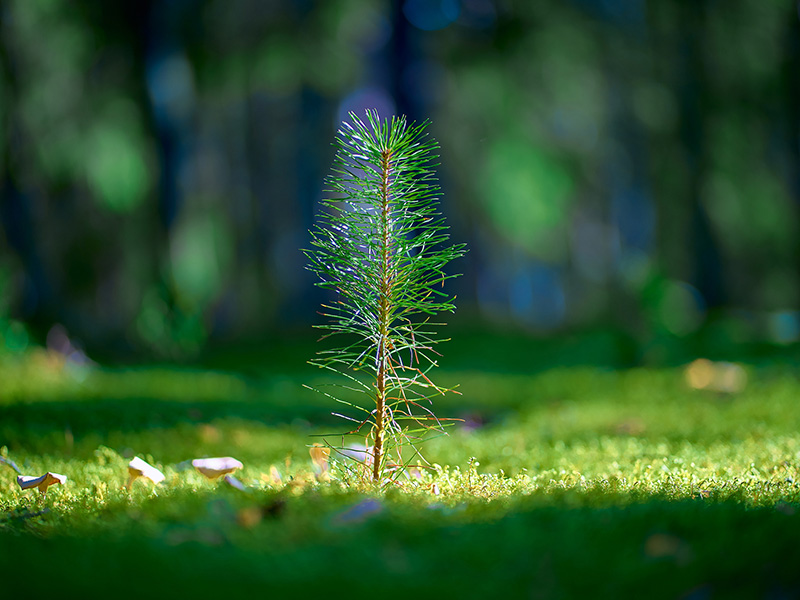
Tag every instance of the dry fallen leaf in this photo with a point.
(235, 483)
(414, 472)
(10, 463)
(216, 467)
(319, 455)
(274, 477)
(139, 468)
(319, 459)
(42, 483)
(723, 377)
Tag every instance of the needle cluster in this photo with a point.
(381, 247)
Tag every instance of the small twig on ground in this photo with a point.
(11, 464)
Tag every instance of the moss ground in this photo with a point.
(579, 481)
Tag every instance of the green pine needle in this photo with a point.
(381, 246)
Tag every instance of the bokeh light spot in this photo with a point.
(199, 251)
(116, 172)
(116, 163)
(724, 377)
(525, 192)
(14, 336)
(681, 308)
(784, 326)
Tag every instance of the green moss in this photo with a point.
(578, 482)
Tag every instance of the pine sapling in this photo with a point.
(381, 247)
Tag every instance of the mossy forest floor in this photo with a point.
(563, 481)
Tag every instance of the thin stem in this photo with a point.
(383, 319)
(379, 249)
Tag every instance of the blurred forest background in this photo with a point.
(629, 165)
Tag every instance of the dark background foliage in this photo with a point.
(626, 164)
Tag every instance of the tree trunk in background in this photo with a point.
(791, 76)
(707, 275)
(37, 305)
(399, 58)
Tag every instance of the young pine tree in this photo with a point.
(381, 246)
